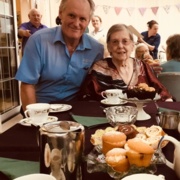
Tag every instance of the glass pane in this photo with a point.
(8, 95)
(4, 64)
(8, 7)
(11, 36)
(13, 62)
(6, 32)
(2, 9)
(8, 63)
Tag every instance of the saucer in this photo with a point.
(59, 108)
(105, 101)
(28, 122)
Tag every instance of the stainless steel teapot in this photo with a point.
(61, 149)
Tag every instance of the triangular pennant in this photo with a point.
(106, 9)
(178, 6)
(117, 10)
(167, 8)
(130, 10)
(154, 10)
(142, 10)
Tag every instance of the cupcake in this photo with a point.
(112, 139)
(117, 159)
(139, 153)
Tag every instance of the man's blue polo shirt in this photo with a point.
(47, 64)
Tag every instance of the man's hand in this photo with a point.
(26, 33)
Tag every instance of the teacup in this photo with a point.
(38, 112)
(112, 95)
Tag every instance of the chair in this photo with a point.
(171, 80)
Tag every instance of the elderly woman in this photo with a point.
(142, 53)
(120, 71)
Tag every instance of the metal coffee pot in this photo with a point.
(168, 119)
(61, 149)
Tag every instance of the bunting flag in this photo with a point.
(117, 10)
(167, 8)
(178, 7)
(142, 10)
(154, 10)
(106, 9)
(130, 10)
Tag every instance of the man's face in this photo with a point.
(75, 18)
(35, 18)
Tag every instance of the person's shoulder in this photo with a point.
(46, 31)
(45, 34)
(158, 35)
(44, 26)
(24, 24)
(103, 62)
(170, 62)
(144, 32)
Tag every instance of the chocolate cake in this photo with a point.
(141, 92)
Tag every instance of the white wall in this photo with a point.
(168, 22)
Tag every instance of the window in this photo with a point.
(9, 93)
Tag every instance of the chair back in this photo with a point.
(171, 80)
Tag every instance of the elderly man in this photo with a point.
(26, 29)
(56, 60)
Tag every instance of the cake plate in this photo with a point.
(142, 115)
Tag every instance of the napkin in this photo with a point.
(161, 109)
(14, 168)
(89, 121)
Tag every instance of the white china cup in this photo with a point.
(38, 112)
(112, 95)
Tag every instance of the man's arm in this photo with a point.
(28, 95)
(24, 33)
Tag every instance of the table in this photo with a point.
(20, 142)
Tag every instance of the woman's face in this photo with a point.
(141, 51)
(120, 46)
(154, 30)
(96, 22)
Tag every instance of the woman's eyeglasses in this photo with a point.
(124, 42)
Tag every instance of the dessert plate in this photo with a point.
(28, 122)
(59, 108)
(105, 101)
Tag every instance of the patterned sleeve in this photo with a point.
(154, 82)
